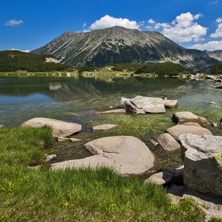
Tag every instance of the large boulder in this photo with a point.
(183, 117)
(59, 128)
(167, 142)
(149, 104)
(202, 162)
(126, 155)
(178, 130)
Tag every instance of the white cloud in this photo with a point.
(213, 3)
(210, 46)
(151, 21)
(109, 21)
(184, 28)
(84, 25)
(218, 32)
(21, 50)
(219, 20)
(14, 22)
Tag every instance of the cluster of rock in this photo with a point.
(142, 105)
(187, 122)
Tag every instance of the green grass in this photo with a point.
(75, 195)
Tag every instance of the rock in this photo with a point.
(202, 162)
(126, 155)
(131, 108)
(174, 199)
(104, 127)
(111, 107)
(177, 190)
(190, 124)
(178, 176)
(155, 143)
(114, 111)
(149, 104)
(214, 124)
(171, 104)
(50, 158)
(62, 139)
(59, 128)
(1, 126)
(74, 139)
(183, 117)
(167, 142)
(211, 102)
(178, 130)
(123, 101)
(160, 178)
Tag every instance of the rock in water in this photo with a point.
(59, 128)
(149, 104)
(167, 142)
(202, 162)
(104, 127)
(171, 104)
(127, 155)
(178, 130)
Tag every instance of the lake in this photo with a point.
(76, 98)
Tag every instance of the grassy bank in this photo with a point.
(71, 195)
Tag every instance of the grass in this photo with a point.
(75, 195)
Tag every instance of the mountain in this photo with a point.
(215, 54)
(121, 45)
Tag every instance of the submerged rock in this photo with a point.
(202, 162)
(127, 155)
(59, 128)
(104, 127)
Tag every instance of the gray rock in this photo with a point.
(167, 142)
(59, 128)
(178, 176)
(126, 155)
(113, 111)
(178, 130)
(131, 108)
(123, 101)
(190, 124)
(149, 104)
(104, 127)
(74, 139)
(171, 103)
(183, 117)
(160, 178)
(62, 139)
(202, 162)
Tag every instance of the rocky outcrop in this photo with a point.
(202, 162)
(104, 127)
(59, 128)
(126, 155)
(183, 117)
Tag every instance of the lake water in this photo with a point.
(74, 99)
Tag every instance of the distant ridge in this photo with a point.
(121, 45)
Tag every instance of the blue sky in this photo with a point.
(29, 24)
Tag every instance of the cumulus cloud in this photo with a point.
(218, 32)
(151, 21)
(184, 28)
(219, 20)
(14, 22)
(109, 21)
(210, 46)
(21, 50)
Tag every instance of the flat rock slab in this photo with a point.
(167, 142)
(126, 155)
(74, 139)
(149, 104)
(114, 111)
(59, 128)
(171, 104)
(104, 127)
(183, 117)
(160, 178)
(202, 162)
(178, 130)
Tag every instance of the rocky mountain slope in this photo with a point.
(215, 54)
(121, 45)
